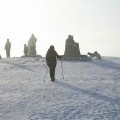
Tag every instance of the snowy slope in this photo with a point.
(90, 90)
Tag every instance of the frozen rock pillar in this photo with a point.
(32, 46)
(71, 47)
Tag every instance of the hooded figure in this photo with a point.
(7, 48)
(51, 61)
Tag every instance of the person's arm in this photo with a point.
(58, 56)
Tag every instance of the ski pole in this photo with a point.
(62, 70)
(46, 74)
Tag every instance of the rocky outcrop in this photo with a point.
(32, 46)
(71, 48)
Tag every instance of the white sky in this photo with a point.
(95, 24)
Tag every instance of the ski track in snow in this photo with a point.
(90, 90)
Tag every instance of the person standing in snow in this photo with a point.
(51, 61)
(25, 50)
(7, 48)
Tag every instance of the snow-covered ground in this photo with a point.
(89, 91)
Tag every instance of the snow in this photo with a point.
(90, 90)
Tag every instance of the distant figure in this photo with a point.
(51, 61)
(7, 48)
(25, 50)
(0, 57)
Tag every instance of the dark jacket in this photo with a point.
(7, 45)
(51, 57)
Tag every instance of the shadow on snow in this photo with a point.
(90, 93)
(17, 65)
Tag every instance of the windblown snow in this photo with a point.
(90, 90)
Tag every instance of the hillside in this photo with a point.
(89, 91)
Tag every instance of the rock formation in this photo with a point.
(71, 48)
(32, 46)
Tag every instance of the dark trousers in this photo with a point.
(52, 72)
(8, 53)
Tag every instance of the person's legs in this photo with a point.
(52, 73)
(6, 53)
(9, 53)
